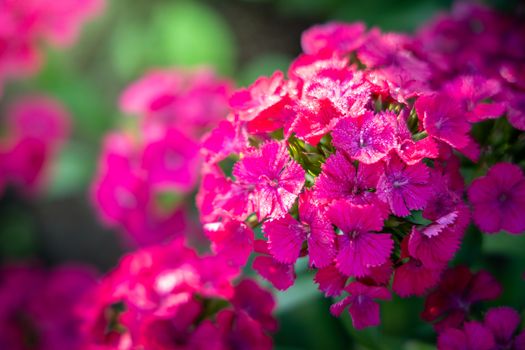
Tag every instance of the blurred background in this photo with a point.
(242, 40)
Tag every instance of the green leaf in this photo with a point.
(416, 217)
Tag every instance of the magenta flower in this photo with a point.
(171, 160)
(362, 305)
(41, 304)
(474, 336)
(404, 187)
(498, 199)
(503, 323)
(281, 276)
(227, 138)
(314, 119)
(197, 99)
(443, 118)
(163, 293)
(414, 278)
(231, 239)
(272, 177)
(458, 290)
(330, 281)
(360, 247)
(286, 235)
(119, 190)
(367, 138)
(24, 24)
(333, 37)
(262, 104)
(340, 179)
(472, 92)
(36, 127)
(39, 117)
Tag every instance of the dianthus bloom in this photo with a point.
(352, 160)
(450, 303)
(36, 129)
(498, 199)
(167, 297)
(24, 23)
(144, 176)
(38, 306)
(497, 331)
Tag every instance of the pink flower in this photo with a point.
(286, 235)
(330, 281)
(346, 89)
(171, 97)
(272, 177)
(262, 104)
(458, 290)
(231, 239)
(443, 118)
(314, 119)
(333, 37)
(40, 304)
(367, 138)
(171, 160)
(363, 308)
(39, 117)
(498, 199)
(167, 297)
(404, 187)
(227, 138)
(474, 336)
(360, 247)
(37, 127)
(413, 277)
(472, 91)
(119, 191)
(281, 276)
(24, 24)
(503, 323)
(340, 179)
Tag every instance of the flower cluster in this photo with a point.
(451, 305)
(353, 160)
(478, 54)
(144, 173)
(24, 23)
(167, 297)
(36, 128)
(37, 306)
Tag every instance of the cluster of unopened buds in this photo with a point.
(353, 160)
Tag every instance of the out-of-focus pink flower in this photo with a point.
(498, 199)
(36, 129)
(167, 297)
(458, 290)
(333, 37)
(24, 23)
(38, 305)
